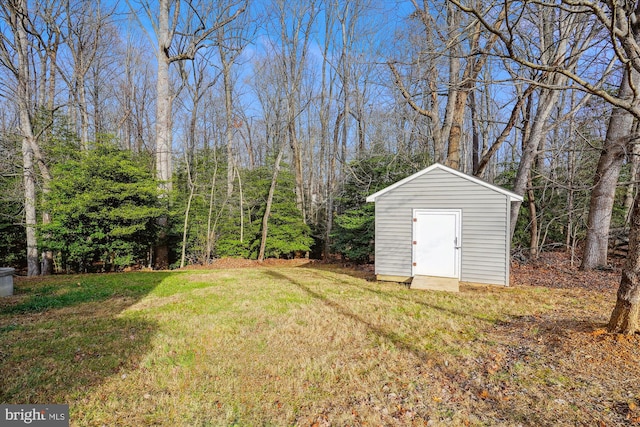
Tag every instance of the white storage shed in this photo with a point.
(439, 227)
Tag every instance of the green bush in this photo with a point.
(104, 206)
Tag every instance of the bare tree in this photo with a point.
(624, 318)
(345, 39)
(199, 84)
(180, 34)
(81, 28)
(47, 41)
(102, 79)
(192, 188)
(267, 209)
(134, 98)
(632, 187)
(14, 56)
(327, 156)
(617, 20)
(462, 80)
(615, 148)
(292, 23)
(231, 39)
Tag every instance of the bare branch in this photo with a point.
(406, 95)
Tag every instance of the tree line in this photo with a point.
(168, 132)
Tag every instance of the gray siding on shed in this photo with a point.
(485, 222)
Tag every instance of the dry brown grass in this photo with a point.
(319, 346)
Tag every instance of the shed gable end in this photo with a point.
(485, 219)
(438, 167)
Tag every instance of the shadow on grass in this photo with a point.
(386, 334)
(63, 336)
(402, 343)
(348, 269)
(520, 365)
(397, 296)
(44, 293)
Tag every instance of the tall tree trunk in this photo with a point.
(210, 230)
(33, 266)
(186, 224)
(49, 97)
(331, 181)
(267, 210)
(18, 11)
(624, 318)
(475, 133)
(633, 178)
(460, 93)
(297, 163)
(571, 173)
(84, 113)
(46, 267)
(612, 157)
(163, 130)
(455, 133)
(163, 156)
(250, 149)
(53, 57)
(453, 22)
(326, 156)
(345, 130)
(241, 206)
(531, 198)
(228, 108)
(546, 102)
(163, 127)
(42, 81)
(98, 123)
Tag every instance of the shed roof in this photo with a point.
(512, 196)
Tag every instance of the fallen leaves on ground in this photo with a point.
(555, 270)
(588, 369)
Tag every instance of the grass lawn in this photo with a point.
(312, 345)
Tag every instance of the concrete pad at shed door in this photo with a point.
(435, 283)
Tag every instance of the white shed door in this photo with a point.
(436, 243)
